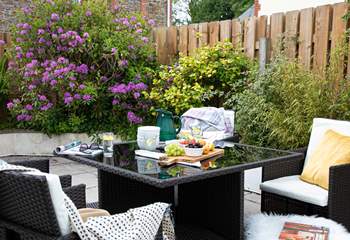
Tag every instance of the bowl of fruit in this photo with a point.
(194, 149)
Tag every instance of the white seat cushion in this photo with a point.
(294, 188)
(57, 197)
(319, 127)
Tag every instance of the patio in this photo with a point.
(123, 128)
(83, 174)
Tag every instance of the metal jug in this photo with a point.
(166, 122)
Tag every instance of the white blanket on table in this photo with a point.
(137, 224)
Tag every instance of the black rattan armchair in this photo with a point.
(338, 193)
(26, 209)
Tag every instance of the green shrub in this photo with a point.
(4, 90)
(4, 84)
(207, 78)
(278, 110)
(81, 67)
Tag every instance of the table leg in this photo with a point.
(118, 194)
(215, 204)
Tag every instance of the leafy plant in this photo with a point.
(81, 67)
(209, 10)
(213, 76)
(278, 110)
(4, 84)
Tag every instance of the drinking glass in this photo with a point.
(107, 139)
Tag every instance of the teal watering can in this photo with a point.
(166, 122)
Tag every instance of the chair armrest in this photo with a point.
(66, 181)
(301, 150)
(77, 194)
(339, 194)
(286, 168)
(43, 164)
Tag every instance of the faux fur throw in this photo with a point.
(269, 227)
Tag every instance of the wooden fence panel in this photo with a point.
(250, 36)
(192, 38)
(237, 32)
(225, 30)
(161, 48)
(171, 43)
(321, 37)
(204, 34)
(277, 30)
(262, 27)
(183, 40)
(291, 34)
(339, 26)
(214, 31)
(306, 33)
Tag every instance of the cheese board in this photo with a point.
(172, 160)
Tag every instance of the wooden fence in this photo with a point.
(309, 34)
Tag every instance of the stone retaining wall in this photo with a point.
(35, 142)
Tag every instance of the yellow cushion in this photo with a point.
(334, 149)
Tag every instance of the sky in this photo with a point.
(181, 10)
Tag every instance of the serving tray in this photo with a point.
(172, 160)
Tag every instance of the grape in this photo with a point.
(173, 150)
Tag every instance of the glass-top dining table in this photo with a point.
(207, 198)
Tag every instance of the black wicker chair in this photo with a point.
(26, 209)
(338, 193)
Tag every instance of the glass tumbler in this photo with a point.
(107, 139)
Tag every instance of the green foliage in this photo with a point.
(207, 78)
(4, 84)
(209, 10)
(4, 89)
(278, 110)
(81, 67)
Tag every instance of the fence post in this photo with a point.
(263, 53)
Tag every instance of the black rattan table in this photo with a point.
(207, 200)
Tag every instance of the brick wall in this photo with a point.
(155, 9)
(7, 9)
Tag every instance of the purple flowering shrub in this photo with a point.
(80, 67)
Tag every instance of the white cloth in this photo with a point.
(136, 224)
(216, 123)
(294, 188)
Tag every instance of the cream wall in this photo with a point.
(269, 7)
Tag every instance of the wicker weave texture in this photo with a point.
(25, 200)
(339, 194)
(40, 163)
(224, 195)
(77, 194)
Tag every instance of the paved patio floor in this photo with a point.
(88, 175)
